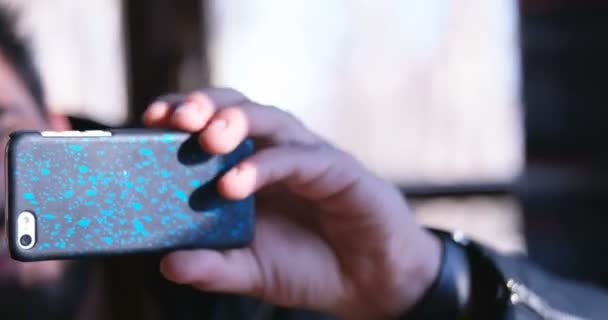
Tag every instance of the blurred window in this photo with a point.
(78, 46)
(424, 92)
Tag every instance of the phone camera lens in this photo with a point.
(25, 240)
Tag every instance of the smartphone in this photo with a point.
(79, 194)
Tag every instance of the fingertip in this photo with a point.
(173, 269)
(201, 99)
(186, 267)
(156, 113)
(188, 117)
(239, 182)
(225, 132)
(194, 113)
(214, 138)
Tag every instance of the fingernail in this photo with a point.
(185, 108)
(157, 104)
(217, 125)
(235, 171)
(157, 107)
(156, 111)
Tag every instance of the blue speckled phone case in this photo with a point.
(136, 191)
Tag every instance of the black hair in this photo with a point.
(14, 48)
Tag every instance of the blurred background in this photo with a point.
(488, 114)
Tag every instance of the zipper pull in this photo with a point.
(520, 294)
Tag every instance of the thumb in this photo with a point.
(233, 271)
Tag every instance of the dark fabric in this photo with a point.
(232, 307)
(578, 299)
(452, 287)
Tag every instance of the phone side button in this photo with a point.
(97, 133)
(88, 133)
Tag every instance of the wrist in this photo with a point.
(406, 270)
(468, 285)
(449, 296)
(418, 266)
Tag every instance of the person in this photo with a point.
(37, 290)
(331, 236)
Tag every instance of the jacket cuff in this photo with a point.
(536, 294)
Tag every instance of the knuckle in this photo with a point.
(286, 122)
(290, 118)
(282, 115)
(344, 157)
(321, 150)
(171, 98)
(199, 98)
(291, 124)
(224, 95)
(233, 112)
(232, 92)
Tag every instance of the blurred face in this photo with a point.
(18, 110)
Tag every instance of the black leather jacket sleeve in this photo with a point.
(537, 294)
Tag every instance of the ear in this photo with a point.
(58, 122)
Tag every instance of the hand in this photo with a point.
(330, 236)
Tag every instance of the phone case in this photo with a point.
(97, 193)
